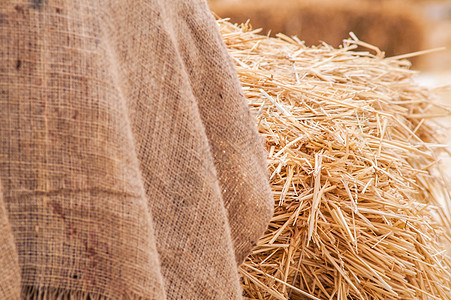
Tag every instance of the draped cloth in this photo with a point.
(130, 167)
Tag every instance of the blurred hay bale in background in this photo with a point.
(393, 26)
(438, 29)
(361, 209)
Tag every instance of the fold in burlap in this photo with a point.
(129, 164)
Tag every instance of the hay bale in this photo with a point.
(394, 27)
(352, 156)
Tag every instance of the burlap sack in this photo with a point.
(129, 163)
(9, 262)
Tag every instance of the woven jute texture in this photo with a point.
(130, 167)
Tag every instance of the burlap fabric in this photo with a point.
(129, 164)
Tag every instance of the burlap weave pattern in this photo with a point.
(129, 164)
(9, 270)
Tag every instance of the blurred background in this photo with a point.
(395, 26)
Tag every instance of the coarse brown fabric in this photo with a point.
(9, 262)
(129, 163)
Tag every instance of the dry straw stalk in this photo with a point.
(360, 205)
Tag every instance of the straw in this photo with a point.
(352, 153)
